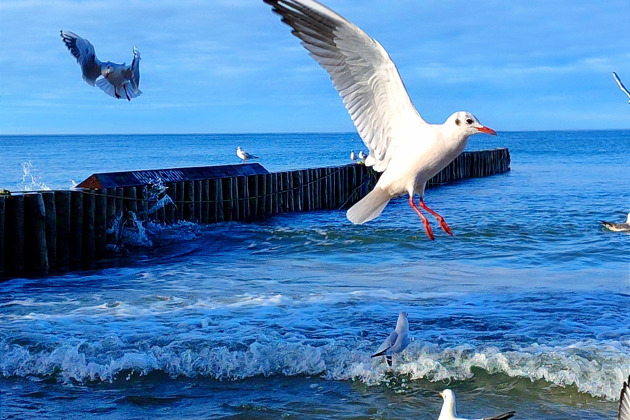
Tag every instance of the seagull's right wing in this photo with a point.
(83, 51)
(361, 70)
(621, 86)
(624, 401)
(135, 70)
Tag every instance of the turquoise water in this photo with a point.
(525, 308)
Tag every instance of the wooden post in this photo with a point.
(292, 195)
(189, 198)
(197, 200)
(253, 192)
(269, 194)
(218, 200)
(275, 189)
(89, 234)
(179, 213)
(142, 193)
(2, 213)
(76, 226)
(14, 233)
(228, 203)
(62, 207)
(235, 199)
(131, 200)
(51, 227)
(171, 209)
(205, 201)
(244, 188)
(100, 223)
(35, 247)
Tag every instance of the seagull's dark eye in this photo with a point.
(469, 121)
(457, 122)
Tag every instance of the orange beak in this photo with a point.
(487, 130)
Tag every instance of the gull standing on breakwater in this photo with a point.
(449, 409)
(621, 86)
(408, 150)
(397, 341)
(618, 227)
(116, 78)
(244, 155)
(353, 157)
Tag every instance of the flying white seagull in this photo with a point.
(618, 227)
(621, 86)
(397, 341)
(449, 409)
(117, 79)
(624, 401)
(244, 155)
(408, 150)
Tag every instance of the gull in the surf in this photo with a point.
(244, 155)
(449, 409)
(618, 227)
(621, 86)
(624, 401)
(397, 341)
(407, 149)
(117, 80)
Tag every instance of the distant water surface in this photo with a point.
(525, 308)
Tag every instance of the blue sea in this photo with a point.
(525, 308)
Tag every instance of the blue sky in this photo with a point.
(230, 66)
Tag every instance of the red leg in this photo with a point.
(443, 224)
(425, 222)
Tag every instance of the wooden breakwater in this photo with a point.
(46, 230)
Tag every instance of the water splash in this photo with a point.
(31, 181)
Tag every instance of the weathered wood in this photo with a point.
(63, 222)
(197, 200)
(14, 234)
(100, 223)
(2, 213)
(89, 233)
(35, 247)
(205, 201)
(170, 216)
(76, 226)
(228, 203)
(131, 199)
(236, 200)
(142, 195)
(180, 201)
(218, 198)
(51, 227)
(189, 201)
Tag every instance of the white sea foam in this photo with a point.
(597, 369)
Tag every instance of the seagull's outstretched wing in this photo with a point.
(361, 70)
(621, 86)
(135, 71)
(387, 344)
(624, 401)
(83, 51)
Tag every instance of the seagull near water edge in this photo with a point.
(618, 227)
(114, 79)
(449, 409)
(397, 341)
(405, 148)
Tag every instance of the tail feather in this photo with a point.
(503, 416)
(370, 206)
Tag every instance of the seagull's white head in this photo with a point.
(239, 148)
(403, 321)
(449, 403)
(107, 70)
(466, 124)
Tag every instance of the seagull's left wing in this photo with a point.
(387, 344)
(361, 70)
(621, 86)
(83, 51)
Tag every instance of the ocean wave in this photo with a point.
(594, 368)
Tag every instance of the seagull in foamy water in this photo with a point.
(618, 227)
(449, 409)
(114, 79)
(407, 149)
(244, 155)
(621, 86)
(397, 341)
(624, 401)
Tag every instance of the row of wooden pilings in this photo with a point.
(46, 230)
